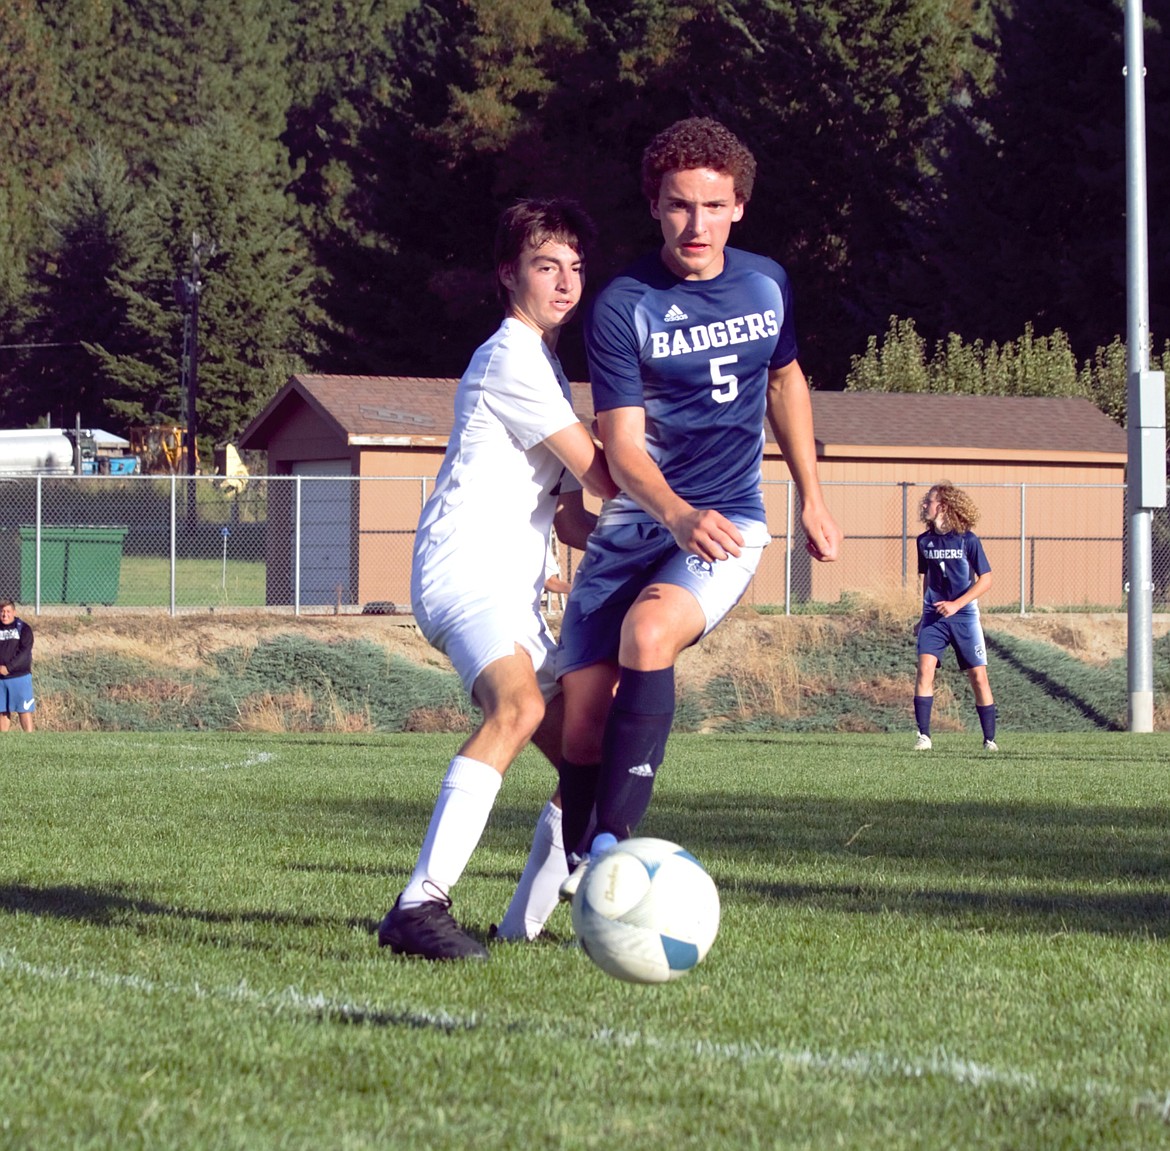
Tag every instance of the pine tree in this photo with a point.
(94, 236)
(256, 303)
(36, 138)
(145, 71)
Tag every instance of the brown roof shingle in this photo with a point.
(997, 423)
(414, 410)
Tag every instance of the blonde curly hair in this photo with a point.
(955, 505)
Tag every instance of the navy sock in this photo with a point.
(578, 794)
(633, 748)
(922, 708)
(987, 717)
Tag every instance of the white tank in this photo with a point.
(37, 451)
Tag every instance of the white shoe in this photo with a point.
(602, 842)
(922, 743)
(990, 745)
(572, 881)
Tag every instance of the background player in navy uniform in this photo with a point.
(955, 573)
(481, 557)
(690, 350)
(16, 686)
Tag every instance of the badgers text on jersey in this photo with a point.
(718, 334)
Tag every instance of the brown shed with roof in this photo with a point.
(382, 439)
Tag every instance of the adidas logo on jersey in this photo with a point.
(642, 769)
(675, 316)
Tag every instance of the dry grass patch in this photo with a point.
(192, 641)
(889, 608)
(64, 711)
(297, 711)
(759, 657)
(947, 714)
(884, 690)
(437, 721)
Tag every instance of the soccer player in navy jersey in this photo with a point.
(955, 573)
(690, 350)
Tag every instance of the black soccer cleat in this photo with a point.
(429, 931)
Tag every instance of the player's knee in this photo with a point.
(649, 639)
(520, 712)
(584, 726)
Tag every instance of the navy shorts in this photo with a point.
(621, 559)
(963, 632)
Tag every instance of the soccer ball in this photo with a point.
(646, 911)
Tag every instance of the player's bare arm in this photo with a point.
(948, 607)
(575, 448)
(702, 532)
(572, 520)
(790, 415)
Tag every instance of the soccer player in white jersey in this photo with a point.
(481, 551)
(690, 350)
(955, 573)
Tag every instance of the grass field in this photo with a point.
(953, 950)
(145, 581)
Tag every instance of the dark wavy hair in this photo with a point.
(535, 222)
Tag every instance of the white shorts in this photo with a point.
(473, 633)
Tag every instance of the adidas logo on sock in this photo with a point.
(675, 316)
(643, 769)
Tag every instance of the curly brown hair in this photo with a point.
(955, 504)
(698, 142)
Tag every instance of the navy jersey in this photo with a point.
(16, 643)
(951, 562)
(695, 354)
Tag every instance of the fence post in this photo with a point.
(788, 554)
(174, 536)
(1023, 546)
(297, 548)
(905, 486)
(37, 593)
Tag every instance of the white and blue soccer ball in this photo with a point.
(646, 911)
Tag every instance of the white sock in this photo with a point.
(465, 801)
(537, 893)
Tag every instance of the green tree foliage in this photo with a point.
(1031, 224)
(256, 300)
(144, 72)
(503, 98)
(1031, 365)
(35, 120)
(408, 250)
(958, 164)
(1028, 366)
(94, 230)
(36, 138)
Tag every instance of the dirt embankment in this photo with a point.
(138, 670)
(189, 640)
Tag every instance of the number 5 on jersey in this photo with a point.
(726, 385)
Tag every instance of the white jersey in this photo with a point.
(484, 532)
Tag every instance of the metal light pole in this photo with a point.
(1145, 390)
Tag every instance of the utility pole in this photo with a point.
(1145, 391)
(187, 292)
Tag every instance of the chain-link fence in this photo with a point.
(343, 544)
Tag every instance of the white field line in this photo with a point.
(856, 1064)
(251, 759)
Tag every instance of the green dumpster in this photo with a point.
(80, 563)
